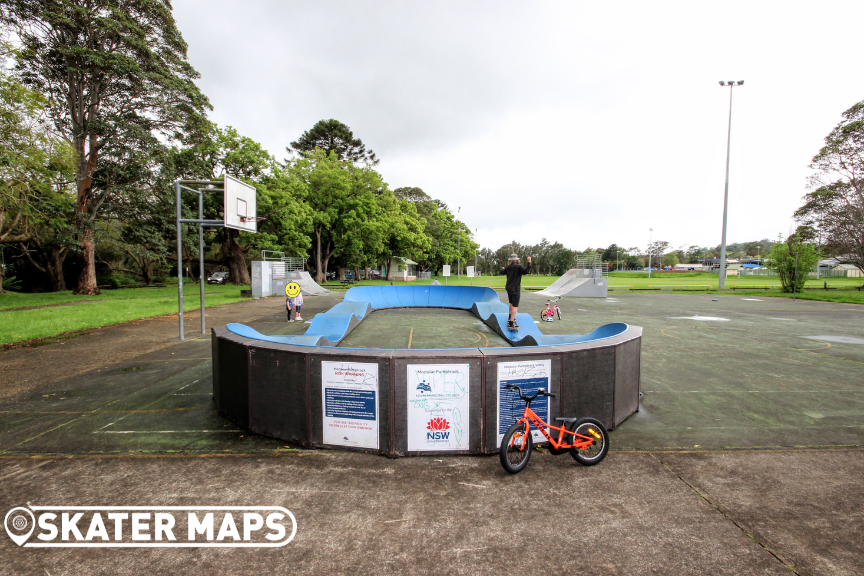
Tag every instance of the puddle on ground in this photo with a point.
(840, 339)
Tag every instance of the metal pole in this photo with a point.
(179, 263)
(458, 246)
(795, 278)
(201, 255)
(475, 254)
(650, 238)
(726, 199)
(818, 253)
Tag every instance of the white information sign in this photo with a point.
(437, 407)
(445, 270)
(529, 376)
(349, 397)
(469, 271)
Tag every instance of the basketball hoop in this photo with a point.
(252, 218)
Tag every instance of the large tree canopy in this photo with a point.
(112, 72)
(333, 136)
(36, 167)
(835, 206)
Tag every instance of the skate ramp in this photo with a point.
(307, 285)
(577, 283)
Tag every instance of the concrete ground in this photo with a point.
(745, 456)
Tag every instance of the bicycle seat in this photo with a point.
(567, 420)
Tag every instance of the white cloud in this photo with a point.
(585, 123)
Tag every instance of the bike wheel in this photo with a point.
(516, 448)
(558, 310)
(543, 315)
(593, 453)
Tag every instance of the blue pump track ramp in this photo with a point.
(331, 327)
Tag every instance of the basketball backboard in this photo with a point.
(240, 205)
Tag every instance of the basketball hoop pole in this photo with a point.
(229, 188)
(181, 185)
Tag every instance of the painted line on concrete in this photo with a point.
(101, 411)
(165, 431)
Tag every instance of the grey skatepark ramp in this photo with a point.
(578, 283)
(270, 277)
(308, 286)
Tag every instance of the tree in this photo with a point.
(111, 72)
(792, 260)
(671, 259)
(333, 136)
(36, 168)
(834, 208)
(656, 250)
(402, 231)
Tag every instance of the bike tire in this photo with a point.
(544, 315)
(513, 460)
(593, 454)
(558, 310)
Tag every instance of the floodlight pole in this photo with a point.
(650, 240)
(458, 246)
(726, 191)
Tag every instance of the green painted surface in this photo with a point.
(421, 328)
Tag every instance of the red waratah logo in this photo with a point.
(438, 424)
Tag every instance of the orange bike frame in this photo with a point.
(579, 441)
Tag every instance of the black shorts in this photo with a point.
(513, 298)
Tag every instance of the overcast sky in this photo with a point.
(585, 123)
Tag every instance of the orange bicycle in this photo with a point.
(588, 440)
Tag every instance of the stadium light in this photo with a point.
(458, 245)
(731, 84)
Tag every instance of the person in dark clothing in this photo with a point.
(514, 272)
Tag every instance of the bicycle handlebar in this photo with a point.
(540, 392)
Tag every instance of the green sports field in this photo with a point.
(25, 317)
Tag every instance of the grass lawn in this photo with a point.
(63, 312)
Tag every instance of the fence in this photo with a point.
(599, 268)
(812, 274)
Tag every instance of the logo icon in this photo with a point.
(438, 424)
(292, 289)
(20, 524)
(424, 387)
(438, 430)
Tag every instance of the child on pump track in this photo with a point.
(294, 303)
(514, 272)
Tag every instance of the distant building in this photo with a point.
(401, 268)
(851, 270)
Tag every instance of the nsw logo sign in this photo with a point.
(438, 430)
